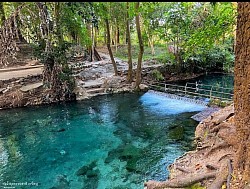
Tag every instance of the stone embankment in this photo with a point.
(97, 78)
(22, 86)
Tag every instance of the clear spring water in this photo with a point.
(107, 142)
(215, 79)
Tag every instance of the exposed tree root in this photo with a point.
(203, 147)
(217, 146)
(221, 177)
(215, 142)
(225, 155)
(180, 183)
(230, 171)
(212, 167)
(182, 169)
(216, 128)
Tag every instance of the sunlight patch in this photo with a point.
(163, 105)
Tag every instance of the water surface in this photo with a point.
(107, 142)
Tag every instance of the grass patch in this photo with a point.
(161, 54)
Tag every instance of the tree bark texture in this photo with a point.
(242, 91)
(109, 47)
(139, 63)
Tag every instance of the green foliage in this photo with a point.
(72, 22)
(161, 54)
(157, 75)
(202, 32)
(217, 58)
(57, 55)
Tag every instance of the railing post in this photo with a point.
(196, 87)
(165, 87)
(186, 88)
(211, 92)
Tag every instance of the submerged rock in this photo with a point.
(62, 152)
(92, 173)
(59, 130)
(62, 181)
(84, 169)
(129, 152)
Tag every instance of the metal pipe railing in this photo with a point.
(197, 90)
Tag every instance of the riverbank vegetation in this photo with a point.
(192, 35)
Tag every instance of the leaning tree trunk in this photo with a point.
(130, 66)
(242, 92)
(109, 47)
(139, 64)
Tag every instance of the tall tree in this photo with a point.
(109, 47)
(242, 92)
(130, 66)
(57, 9)
(138, 29)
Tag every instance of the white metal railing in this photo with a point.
(195, 89)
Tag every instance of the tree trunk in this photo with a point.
(139, 64)
(2, 14)
(95, 38)
(93, 43)
(115, 36)
(19, 33)
(130, 66)
(242, 92)
(109, 47)
(151, 43)
(89, 46)
(105, 38)
(118, 35)
(57, 19)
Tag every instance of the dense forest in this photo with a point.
(195, 37)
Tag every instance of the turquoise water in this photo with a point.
(215, 79)
(107, 142)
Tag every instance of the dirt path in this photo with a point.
(22, 71)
